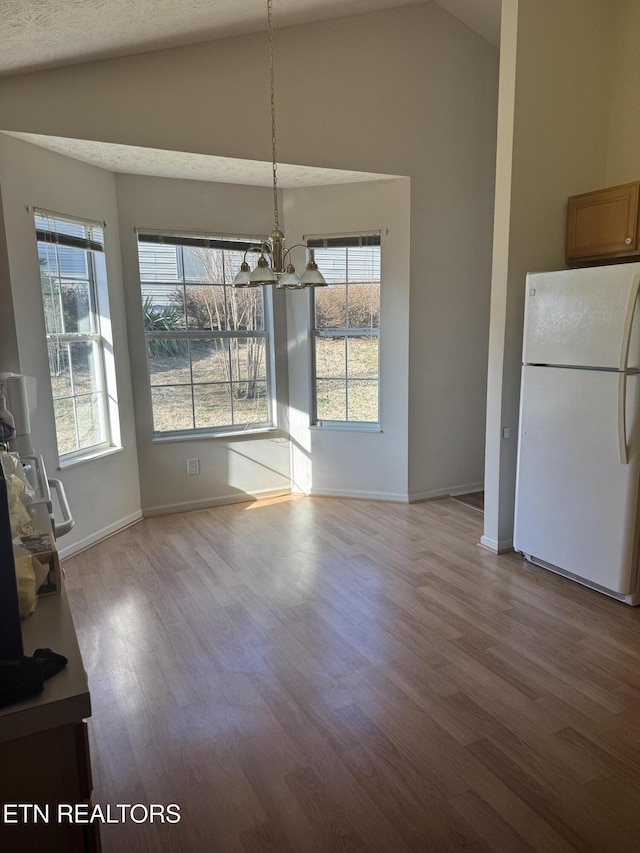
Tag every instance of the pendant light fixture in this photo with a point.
(272, 266)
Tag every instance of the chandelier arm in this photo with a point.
(259, 247)
(295, 246)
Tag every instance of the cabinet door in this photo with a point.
(603, 224)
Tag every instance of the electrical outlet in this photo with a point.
(193, 467)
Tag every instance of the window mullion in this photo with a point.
(346, 348)
(75, 422)
(76, 337)
(73, 395)
(230, 381)
(59, 317)
(346, 378)
(202, 334)
(193, 388)
(101, 390)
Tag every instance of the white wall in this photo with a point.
(623, 152)
(552, 143)
(235, 468)
(408, 91)
(103, 493)
(341, 462)
(9, 359)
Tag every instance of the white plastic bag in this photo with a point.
(19, 493)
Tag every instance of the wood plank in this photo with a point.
(320, 674)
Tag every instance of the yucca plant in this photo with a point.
(165, 319)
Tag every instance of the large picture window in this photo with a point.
(346, 331)
(71, 255)
(208, 343)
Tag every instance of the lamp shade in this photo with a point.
(289, 279)
(312, 277)
(262, 274)
(243, 277)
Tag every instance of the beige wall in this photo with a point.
(9, 358)
(623, 154)
(230, 468)
(552, 143)
(340, 461)
(103, 493)
(410, 92)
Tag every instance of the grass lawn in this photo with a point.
(347, 374)
(347, 387)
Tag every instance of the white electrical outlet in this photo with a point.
(193, 467)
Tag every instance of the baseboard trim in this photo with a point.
(365, 496)
(452, 491)
(205, 503)
(431, 495)
(466, 490)
(497, 546)
(99, 535)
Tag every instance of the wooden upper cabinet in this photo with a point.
(603, 225)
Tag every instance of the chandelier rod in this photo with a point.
(273, 115)
(278, 271)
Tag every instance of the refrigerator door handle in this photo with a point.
(622, 418)
(624, 366)
(628, 322)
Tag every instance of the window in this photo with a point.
(72, 267)
(346, 329)
(208, 343)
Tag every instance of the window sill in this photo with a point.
(196, 436)
(335, 426)
(63, 464)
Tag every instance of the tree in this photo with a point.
(218, 307)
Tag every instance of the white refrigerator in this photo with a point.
(578, 474)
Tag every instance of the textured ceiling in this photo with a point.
(45, 33)
(196, 167)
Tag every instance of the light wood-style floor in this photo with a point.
(316, 675)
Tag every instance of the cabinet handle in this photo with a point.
(628, 241)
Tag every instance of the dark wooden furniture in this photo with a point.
(44, 750)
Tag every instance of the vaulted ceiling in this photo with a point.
(38, 34)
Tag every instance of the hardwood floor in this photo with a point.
(473, 499)
(315, 675)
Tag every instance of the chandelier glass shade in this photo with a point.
(272, 266)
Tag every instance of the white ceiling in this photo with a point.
(38, 34)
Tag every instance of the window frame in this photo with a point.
(233, 243)
(91, 243)
(346, 241)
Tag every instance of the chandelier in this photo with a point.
(272, 266)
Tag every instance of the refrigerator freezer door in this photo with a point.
(580, 317)
(576, 504)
